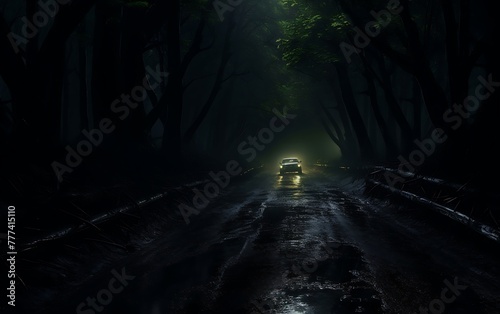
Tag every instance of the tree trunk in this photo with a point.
(83, 89)
(132, 73)
(350, 145)
(365, 145)
(46, 75)
(105, 78)
(395, 108)
(14, 74)
(219, 80)
(417, 110)
(435, 98)
(171, 144)
(337, 139)
(390, 144)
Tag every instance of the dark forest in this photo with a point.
(237, 156)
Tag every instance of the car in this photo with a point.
(290, 164)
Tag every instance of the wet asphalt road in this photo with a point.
(308, 243)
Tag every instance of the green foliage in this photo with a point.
(312, 32)
(340, 23)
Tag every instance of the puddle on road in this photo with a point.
(344, 266)
(330, 301)
(323, 300)
(339, 284)
(290, 184)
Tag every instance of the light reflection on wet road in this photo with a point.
(299, 244)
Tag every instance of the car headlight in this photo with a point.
(299, 166)
(281, 166)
